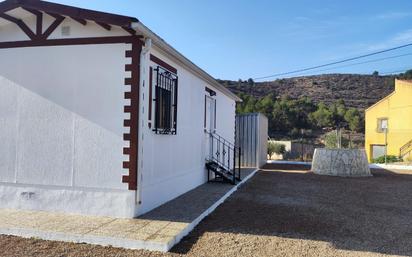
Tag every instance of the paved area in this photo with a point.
(159, 229)
(287, 166)
(283, 214)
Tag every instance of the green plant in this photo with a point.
(322, 117)
(389, 159)
(276, 148)
(331, 140)
(279, 148)
(271, 148)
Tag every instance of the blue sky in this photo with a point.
(234, 39)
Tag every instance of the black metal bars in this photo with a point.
(165, 102)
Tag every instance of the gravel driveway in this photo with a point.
(283, 214)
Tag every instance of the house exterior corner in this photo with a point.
(393, 112)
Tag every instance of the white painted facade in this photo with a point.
(61, 126)
(173, 164)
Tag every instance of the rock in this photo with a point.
(341, 162)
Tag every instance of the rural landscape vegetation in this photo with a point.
(114, 143)
(310, 108)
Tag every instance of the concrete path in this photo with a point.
(158, 230)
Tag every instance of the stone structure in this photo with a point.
(341, 162)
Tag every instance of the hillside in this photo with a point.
(359, 91)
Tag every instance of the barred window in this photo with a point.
(165, 100)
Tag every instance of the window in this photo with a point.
(165, 120)
(382, 125)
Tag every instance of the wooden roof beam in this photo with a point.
(19, 23)
(130, 30)
(8, 6)
(39, 20)
(81, 21)
(58, 20)
(104, 25)
(32, 11)
(78, 13)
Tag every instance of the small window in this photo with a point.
(165, 120)
(382, 125)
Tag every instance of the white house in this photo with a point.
(99, 115)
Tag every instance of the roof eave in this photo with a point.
(70, 11)
(379, 102)
(162, 44)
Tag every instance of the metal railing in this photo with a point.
(226, 155)
(405, 149)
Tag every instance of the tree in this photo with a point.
(331, 140)
(265, 104)
(322, 117)
(291, 116)
(406, 75)
(302, 108)
(248, 105)
(284, 115)
(353, 119)
(338, 110)
(280, 148)
(276, 148)
(251, 84)
(375, 73)
(271, 149)
(239, 84)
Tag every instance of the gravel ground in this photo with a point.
(283, 214)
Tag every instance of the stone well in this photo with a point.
(341, 162)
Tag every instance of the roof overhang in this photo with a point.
(69, 11)
(169, 50)
(130, 24)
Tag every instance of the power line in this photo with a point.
(370, 61)
(333, 63)
(397, 71)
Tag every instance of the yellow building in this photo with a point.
(390, 118)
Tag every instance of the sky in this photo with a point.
(241, 39)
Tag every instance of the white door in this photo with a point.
(210, 122)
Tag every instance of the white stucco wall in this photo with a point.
(171, 165)
(61, 117)
(61, 127)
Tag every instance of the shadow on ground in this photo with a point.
(358, 214)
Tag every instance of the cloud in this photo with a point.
(401, 38)
(393, 15)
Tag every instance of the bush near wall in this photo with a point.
(389, 159)
(275, 148)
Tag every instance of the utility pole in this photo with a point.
(302, 131)
(386, 145)
(338, 137)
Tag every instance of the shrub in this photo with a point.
(331, 140)
(389, 159)
(271, 148)
(276, 148)
(279, 148)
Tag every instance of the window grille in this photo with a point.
(165, 121)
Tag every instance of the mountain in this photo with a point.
(359, 91)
